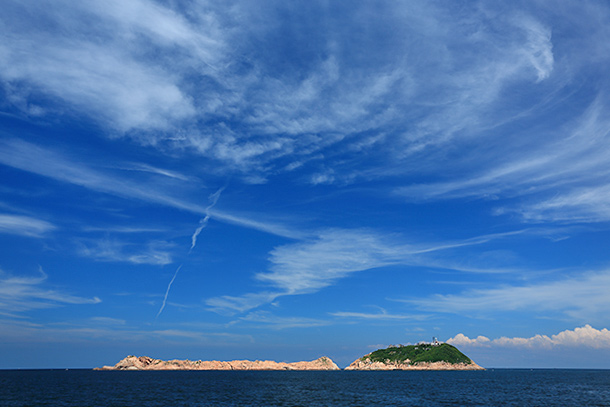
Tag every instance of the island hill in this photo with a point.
(422, 356)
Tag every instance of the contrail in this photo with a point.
(167, 292)
(202, 224)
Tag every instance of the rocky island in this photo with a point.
(147, 363)
(423, 356)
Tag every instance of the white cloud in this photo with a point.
(584, 298)
(538, 48)
(266, 319)
(322, 178)
(462, 340)
(106, 83)
(155, 170)
(55, 165)
(161, 23)
(585, 336)
(200, 337)
(461, 98)
(308, 266)
(131, 65)
(561, 176)
(259, 222)
(97, 62)
(381, 315)
(155, 252)
(21, 294)
(317, 263)
(24, 225)
(227, 304)
(124, 229)
(585, 204)
(110, 329)
(107, 321)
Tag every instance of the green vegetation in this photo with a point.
(420, 353)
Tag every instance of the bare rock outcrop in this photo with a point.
(147, 363)
(365, 363)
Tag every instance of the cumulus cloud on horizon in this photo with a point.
(585, 336)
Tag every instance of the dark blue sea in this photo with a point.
(502, 387)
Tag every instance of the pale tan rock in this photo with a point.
(147, 363)
(365, 363)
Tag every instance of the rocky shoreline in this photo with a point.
(367, 364)
(147, 363)
(323, 363)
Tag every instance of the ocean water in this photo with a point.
(501, 387)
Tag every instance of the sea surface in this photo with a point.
(499, 387)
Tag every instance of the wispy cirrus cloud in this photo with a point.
(124, 229)
(156, 170)
(559, 179)
(205, 337)
(112, 250)
(112, 329)
(55, 165)
(108, 321)
(21, 294)
(228, 304)
(266, 319)
(59, 166)
(582, 297)
(24, 225)
(312, 264)
(537, 48)
(576, 205)
(585, 336)
(381, 315)
(135, 75)
(107, 79)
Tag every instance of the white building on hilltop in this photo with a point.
(435, 342)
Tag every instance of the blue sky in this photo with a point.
(286, 180)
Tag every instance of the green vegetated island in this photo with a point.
(422, 356)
